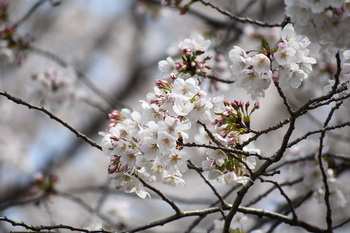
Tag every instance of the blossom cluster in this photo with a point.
(288, 64)
(324, 21)
(150, 146)
(53, 88)
(344, 77)
(13, 47)
(309, 171)
(193, 62)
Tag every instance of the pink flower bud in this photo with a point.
(39, 177)
(53, 177)
(257, 105)
(173, 76)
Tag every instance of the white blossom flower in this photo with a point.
(149, 148)
(238, 57)
(323, 21)
(346, 62)
(218, 104)
(158, 170)
(182, 106)
(173, 126)
(177, 162)
(167, 66)
(188, 88)
(151, 112)
(260, 63)
(196, 43)
(284, 55)
(166, 142)
(173, 181)
(129, 157)
(201, 111)
(217, 156)
(6, 54)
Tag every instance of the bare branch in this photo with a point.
(194, 167)
(53, 57)
(239, 19)
(284, 195)
(322, 169)
(42, 227)
(29, 13)
(284, 98)
(160, 194)
(52, 116)
(213, 77)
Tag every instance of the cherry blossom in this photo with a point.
(150, 145)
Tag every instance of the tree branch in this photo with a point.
(52, 116)
(237, 18)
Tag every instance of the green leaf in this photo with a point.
(265, 45)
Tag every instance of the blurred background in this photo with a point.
(105, 54)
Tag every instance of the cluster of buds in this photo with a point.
(190, 65)
(3, 11)
(192, 59)
(235, 120)
(54, 88)
(115, 117)
(12, 45)
(232, 166)
(176, 4)
(44, 186)
(115, 165)
(171, 3)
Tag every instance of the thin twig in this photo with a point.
(29, 13)
(194, 167)
(239, 19)
(80, 75)
(213, 77)
(161, 195)
(52, 116)
(295, 218)
(322, 169)
(306, 135)
(42, 227)
(87, 207)
(284, 98)
(281, 218)
(267, 192)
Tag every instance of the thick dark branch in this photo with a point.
(281, 218)
(174, 217)
(275, 158)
